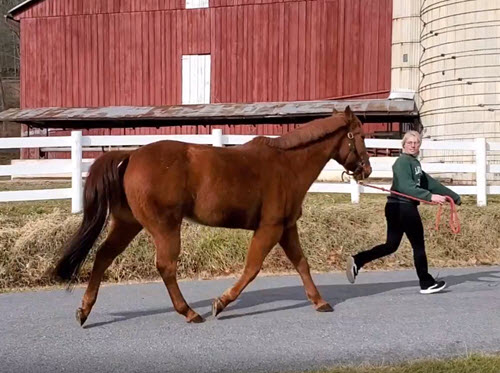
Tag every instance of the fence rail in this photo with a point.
(76, 167)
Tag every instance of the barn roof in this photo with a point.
(21, 7)
(374, 110)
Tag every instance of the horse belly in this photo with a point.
(226, 215)
(225, 187)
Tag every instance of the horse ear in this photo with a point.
(348, 112)
(335, 111)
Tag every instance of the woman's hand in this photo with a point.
(438, 198)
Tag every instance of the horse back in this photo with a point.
(235, 185)
(225, 187)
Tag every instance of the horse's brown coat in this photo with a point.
(258, 186)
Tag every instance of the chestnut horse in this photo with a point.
(258, 186)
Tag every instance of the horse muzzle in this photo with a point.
(362, 172)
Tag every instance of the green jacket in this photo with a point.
(411, 180)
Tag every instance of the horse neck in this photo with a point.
(307, 162)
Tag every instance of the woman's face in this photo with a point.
(412, 146)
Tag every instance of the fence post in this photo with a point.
(354, 191)
(217, 137)
(76, 173)
(481, 171)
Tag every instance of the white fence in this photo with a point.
(76, 167)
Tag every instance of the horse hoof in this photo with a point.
(195, 319)
(80, 317)
(325, 308)
(217, 307)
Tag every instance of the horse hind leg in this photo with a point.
(168, 245)
(120, 234)
(263, 241)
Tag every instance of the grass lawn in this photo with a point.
(472, 364)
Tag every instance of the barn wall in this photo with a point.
(268, 52)
(53, 8)
(102, 53)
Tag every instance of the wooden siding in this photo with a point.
(268, 52)
(57, 8)
(93, 53)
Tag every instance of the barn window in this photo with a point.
(196, 79)
(192, 4)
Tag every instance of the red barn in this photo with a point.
(94, 53)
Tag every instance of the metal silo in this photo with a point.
(406, 48)
(459, 65)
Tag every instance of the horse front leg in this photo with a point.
(263, 241)
(291, 245)
(168, 244)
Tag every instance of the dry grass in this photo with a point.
(471, 364)
(23, 184)
(7, 155)
(32, 234)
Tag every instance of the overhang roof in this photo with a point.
(21, 7)
(375, 110)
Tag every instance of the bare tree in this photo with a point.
(9, 69)
(9, 42)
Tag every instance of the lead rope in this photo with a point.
(453, 222)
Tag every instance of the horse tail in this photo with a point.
(103, 190)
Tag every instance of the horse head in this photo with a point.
(352, 152)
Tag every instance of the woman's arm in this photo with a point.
(436, 187)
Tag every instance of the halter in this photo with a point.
(352, 149)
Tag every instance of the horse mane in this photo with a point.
(305, 134)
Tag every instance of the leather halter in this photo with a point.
(353, 150)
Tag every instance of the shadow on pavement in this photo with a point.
(334, 294)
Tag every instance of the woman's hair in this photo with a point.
(411, 134)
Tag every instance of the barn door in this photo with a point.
(196, 79)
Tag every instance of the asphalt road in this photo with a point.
(133, 328)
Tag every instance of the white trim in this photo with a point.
(195, 4)
(24, 3)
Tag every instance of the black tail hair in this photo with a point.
(103, 189)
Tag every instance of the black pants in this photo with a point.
(401, 218)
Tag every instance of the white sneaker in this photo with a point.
(351, 270)
(436, 287)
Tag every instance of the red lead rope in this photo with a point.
(453, 222)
